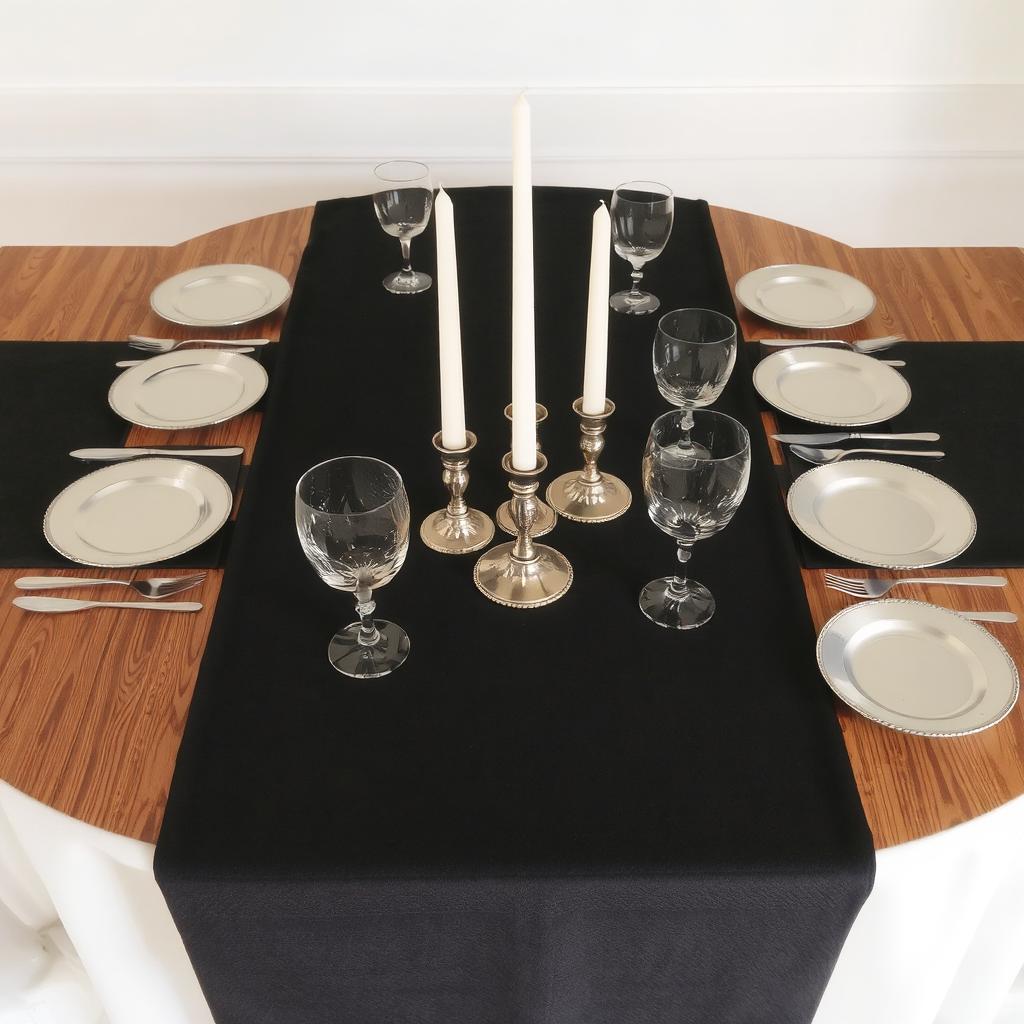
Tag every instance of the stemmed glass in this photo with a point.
(642, 214)
(403, 203)
(694, 355)
(352, 516)
(692, 493)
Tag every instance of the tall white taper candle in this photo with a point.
(524, 381)
(595, 367)
(449, 331)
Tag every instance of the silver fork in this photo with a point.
(145, 344)
(876, 586)
(151, 588)
(865, 346)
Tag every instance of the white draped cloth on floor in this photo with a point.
(85, 936)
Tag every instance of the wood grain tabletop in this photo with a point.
(92, 707)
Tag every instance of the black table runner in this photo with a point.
(557, 816)
(969, 392)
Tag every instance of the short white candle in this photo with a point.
(595, 367)
(524, 382)
(449, 331)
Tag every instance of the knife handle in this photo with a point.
(926, 436)
(60, 582)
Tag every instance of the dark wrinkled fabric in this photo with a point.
(558, 816)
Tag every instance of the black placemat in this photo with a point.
(557, 816)
(969, 392)
(53, 399)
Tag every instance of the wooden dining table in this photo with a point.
(92, 706)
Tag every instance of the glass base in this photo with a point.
(636, 303)
(407, 283)
(677, 609)
(351, 658)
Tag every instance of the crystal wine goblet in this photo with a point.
(692, 492)
(403, 201)
(641, 223)
(352, 516)
(694, 355)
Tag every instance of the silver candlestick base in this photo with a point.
(546, 517)
(520, 573)
(456, 529)
(588, 495)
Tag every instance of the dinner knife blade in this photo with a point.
(816, 439)
(122, 454)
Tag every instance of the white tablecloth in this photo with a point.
(85, 936)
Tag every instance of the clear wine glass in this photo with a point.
(352, 516)
(642, 214)
(694, 355)
(403, 201)
(692, 492)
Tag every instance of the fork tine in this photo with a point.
(842, 588)
(844, 581)
(175, 586)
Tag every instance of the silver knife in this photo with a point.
(836, 438)
(988, 616)
(67, 604)
(121, 454)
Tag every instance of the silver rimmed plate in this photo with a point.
(917, 668)
(881, 514)
(188, 388)
(220, 296)
(798, 295)
(134, 513)
(830, 386)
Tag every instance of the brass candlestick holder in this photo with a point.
(456, 529)
(590, 496)
(546, 517)
(520, 573)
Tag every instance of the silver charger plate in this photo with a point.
(917, 668)
(798, 295)
(830, 386)
(188, 388)
(138, 512)
(881, 514)
(220, 296)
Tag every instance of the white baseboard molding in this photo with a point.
(939, 165)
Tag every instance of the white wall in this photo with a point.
(878, 122)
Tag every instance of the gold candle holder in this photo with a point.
(520, 573)
(590, 496)
(546, 517)
(456, 529)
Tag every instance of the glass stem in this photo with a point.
(637, 276)
(685, 426)
(406, 255)
(369, 635)
(677, 588)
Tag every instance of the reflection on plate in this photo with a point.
(830, 386)
(188, 388)
(138, 512)
(881, 514)
(220, 296)
(798, 295)
(917, 668)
